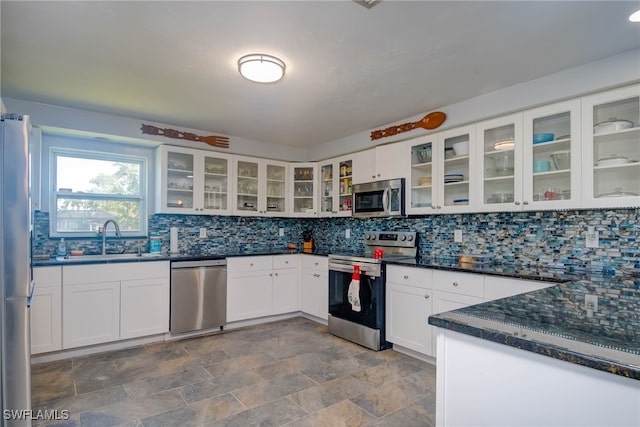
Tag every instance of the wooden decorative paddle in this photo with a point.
(430, 121)
(213, 140)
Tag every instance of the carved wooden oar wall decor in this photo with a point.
(430, 121)
(213, 140)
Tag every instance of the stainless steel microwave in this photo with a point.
(379, 198)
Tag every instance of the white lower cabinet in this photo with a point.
(91, 313)
(408, 309)
(262, 286)
(133, 302)
(144, 307)
(46, 310)
(413, 294)
(314, 286)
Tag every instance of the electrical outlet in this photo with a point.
(592, 238)
(347, 233)
(280, 232)
(203, 233)
(457, 236)
(591, 303)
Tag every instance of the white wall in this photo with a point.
(614, 71)
(52, 118)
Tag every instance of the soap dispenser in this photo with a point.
(62, 248)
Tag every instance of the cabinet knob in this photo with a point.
(433, 207)
(271, 274)
(286, 262)
(525, 202)
(373, 176)
(315, 263)
(455, 284)
(406, 276)
(378, 175)
(426, 297)
(517, 203)
(276, 274)
(251, 264)
(439, 207)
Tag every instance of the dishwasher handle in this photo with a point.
(203, 263)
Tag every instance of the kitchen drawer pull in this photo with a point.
(271, 274)
(286, 262)
(276, 274)
(525, 203)
(426, 297)
(250, 264)
(456, 284)
(406, 276)
(517, 203)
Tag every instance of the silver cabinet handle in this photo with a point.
(439, 207)
(378, 175)
(517, 203)
(276, 274)
(251, 264)
(525, 203)
(286, 262)
(433, 207)
(271, 274)
(456, 284)
(406, 276)
(426, 297)
(315, 263)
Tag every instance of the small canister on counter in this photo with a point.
(154, 243)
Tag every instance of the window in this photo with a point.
(89, 188)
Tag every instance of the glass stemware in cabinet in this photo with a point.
(499, 164)
(616, 149)
(275, 188)
(422, 175)
(551, 157)
(179, 180)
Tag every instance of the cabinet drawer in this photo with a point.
(459, 283)
(420, 277)
(47, 276)
(249, 263)
(285, 261)
(314, 262)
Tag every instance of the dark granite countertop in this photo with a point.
(555, 323)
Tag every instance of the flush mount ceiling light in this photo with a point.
(635, 16)
(261, 68)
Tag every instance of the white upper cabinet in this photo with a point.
(303, 192)
(499, 162)
(456, 172)
(421, 184)
(261, 187)
(381, 163)
(552, 160)
(193, 181)
(611, 140)
(336, 180)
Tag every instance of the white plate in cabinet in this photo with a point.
(459, 283)
(610, 183)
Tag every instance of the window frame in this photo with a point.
(55, 146)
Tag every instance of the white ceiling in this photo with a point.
(349, 69)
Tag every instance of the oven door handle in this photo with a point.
(344, 268)
(385, 199)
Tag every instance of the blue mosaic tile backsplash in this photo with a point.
(547, 238)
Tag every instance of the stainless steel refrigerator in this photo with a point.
(15, 271)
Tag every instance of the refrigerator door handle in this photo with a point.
(33, 289)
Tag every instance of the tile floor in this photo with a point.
(286, 373)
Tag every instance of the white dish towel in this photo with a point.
(353, 295)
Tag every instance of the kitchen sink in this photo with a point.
(110, 257)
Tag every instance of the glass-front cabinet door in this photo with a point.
(551, 159)
(500, 163)
(193, 181)
(336, 181)
(611, 136)
(303, 189)
(276, 189)
(215, 190)
(246, 186)
(421, 191)
(456, 171)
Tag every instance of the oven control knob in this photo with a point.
(410, 238)
(367, 236)
(403, 237)
(373, 237)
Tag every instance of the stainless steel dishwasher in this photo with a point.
(198, 295)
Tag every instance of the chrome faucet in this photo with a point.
(104, 234)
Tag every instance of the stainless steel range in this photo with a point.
(357, 313)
